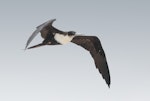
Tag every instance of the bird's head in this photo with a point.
(70, 33)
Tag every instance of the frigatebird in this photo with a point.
(54, 36)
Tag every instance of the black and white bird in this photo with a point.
(53, 36)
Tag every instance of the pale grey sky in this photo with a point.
(68, 73)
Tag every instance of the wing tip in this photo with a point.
(52, 20)
(106, 78)
(47, 22)
(108, 83)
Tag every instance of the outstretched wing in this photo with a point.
(39, 29)
(93, 45)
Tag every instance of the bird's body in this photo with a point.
(63, 39)
(53, 36)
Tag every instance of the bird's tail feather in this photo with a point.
(35, 46)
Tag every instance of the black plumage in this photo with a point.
(93, 45)
(53, 36)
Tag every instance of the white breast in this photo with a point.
(63, 39)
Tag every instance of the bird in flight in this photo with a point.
(54, 36)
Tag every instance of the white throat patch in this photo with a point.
(63, 39)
